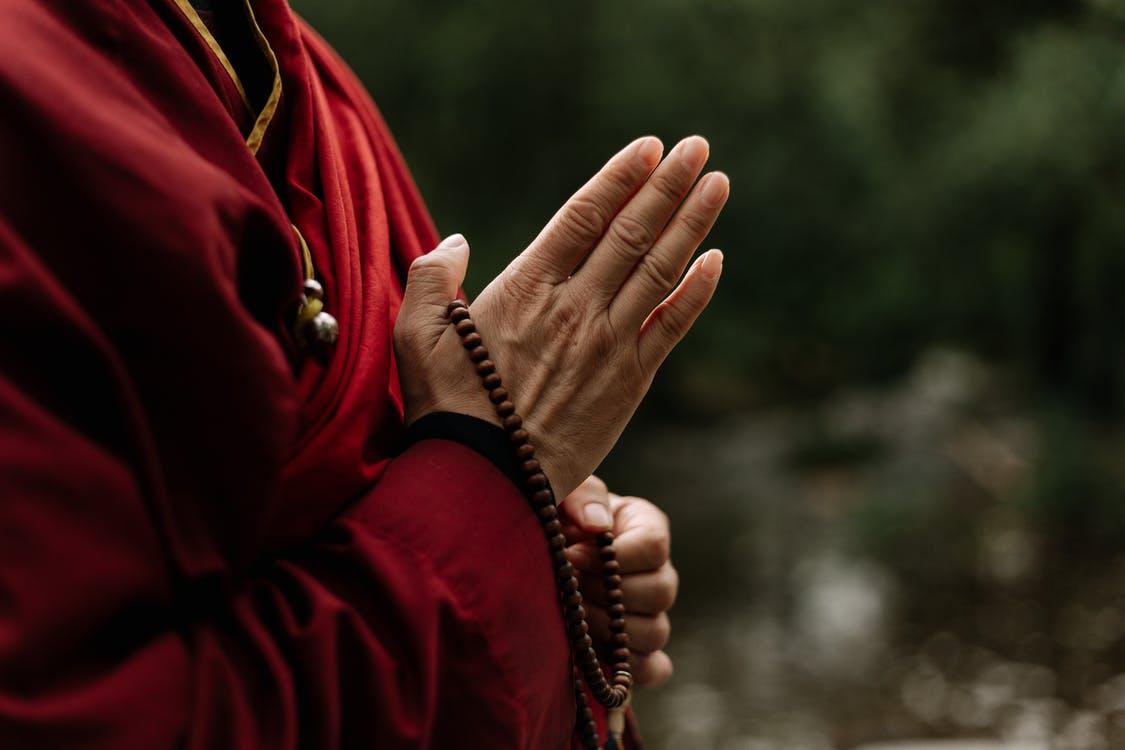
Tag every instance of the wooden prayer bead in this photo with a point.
(537, 490)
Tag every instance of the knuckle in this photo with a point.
(659, 272)
(632, 235)
(564, 319)
(519, 287)
(428, 260)
(696, 223)
(672, 323)
(423, 266)
(624, 178)
(584, 220)
(668, 186)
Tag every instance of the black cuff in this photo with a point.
(485, 438)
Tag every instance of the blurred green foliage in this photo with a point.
(903, 173)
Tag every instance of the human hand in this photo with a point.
(579, 322)
(648, 580)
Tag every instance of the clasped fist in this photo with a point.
(580, 321)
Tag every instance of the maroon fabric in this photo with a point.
(200, 548)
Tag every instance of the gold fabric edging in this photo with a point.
(306, 254)
(265, 117)
(193, 18)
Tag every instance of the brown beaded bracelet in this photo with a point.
(537, 490)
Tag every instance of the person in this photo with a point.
(251, 492)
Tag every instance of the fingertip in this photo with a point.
(596, 518)
(695, 149)
(453, 241)
(711, 264)
(714, 189)
(652, 669)
(649, 149)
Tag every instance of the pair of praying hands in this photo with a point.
(577, 325)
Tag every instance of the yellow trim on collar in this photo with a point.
(265, 117)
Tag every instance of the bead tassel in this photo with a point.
(612, 693)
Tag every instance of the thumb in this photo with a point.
(586, 510)
(434, 278)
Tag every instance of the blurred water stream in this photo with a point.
(864, 571)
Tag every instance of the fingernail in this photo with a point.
(649, 149)
(596, 516)
(714, 189)
(712, 264)
(452, 241)
(694, 149)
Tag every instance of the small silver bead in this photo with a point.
(313, 289)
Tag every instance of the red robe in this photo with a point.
(200, 548)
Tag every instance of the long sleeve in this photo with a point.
(421, 616)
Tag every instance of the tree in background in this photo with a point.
(903, 173)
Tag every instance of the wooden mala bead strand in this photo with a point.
(613, 692)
